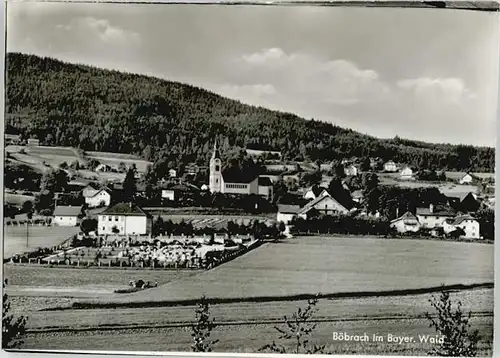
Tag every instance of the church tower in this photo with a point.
(215, 181)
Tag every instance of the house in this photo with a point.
(259, 153)
(390, 166)
(313, 192)
(204, 187)
(67, 215)
(103, 168)
(232, 181)
(287, 212)
(324, 204)
(168, 194)
(432, 216)
(406, 223)
(467, 223)
(406, 174)
(351, 170)
(124, 219)
(357, 196)
(265, 188)
(192, 168)
(95, 196)
(466, 179)
(33, 142)
(11, 139)
(463, 202)
(172, 173)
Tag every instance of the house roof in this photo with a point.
(459, 219)
(233, 175)
(438, 211)
(318, 200)
(265, 181)
(406, 216)
(357, 194)
(124, 209)
(459, 195)
(67, 210)
(288, 209)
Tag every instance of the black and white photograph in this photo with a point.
(286, 178)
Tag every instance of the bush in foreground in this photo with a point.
(202, 329)
(454, 326)
(13, 328)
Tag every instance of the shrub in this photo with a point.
(13, 329)
(202, 329)
(298, 329)
(454, 326)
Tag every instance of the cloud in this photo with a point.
(451, 90)
(101, 29)
(303, 76)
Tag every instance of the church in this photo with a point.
(230, 182)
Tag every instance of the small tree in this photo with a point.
(453, 324)
(298, 329)
(13, 329)
(202, 329)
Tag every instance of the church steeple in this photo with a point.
(215, 153)
(215, 179)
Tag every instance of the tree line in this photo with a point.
(102, 110)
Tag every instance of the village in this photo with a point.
(280, 195)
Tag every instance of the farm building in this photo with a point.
(33, 142)
(466, 179)
(406, 174)
(168, 194)
(351, 170)
(432, 216)
(314, 192)
(124, 219)
(234, 182)
(172, 173)
(406, 223)
(66, 215)
(95, 196)
(11, 139)
(467, 223)
(390, 166)
(287, 212)
(326, 205)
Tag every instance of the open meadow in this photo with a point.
(14, 237)
(115, 159)
(309, 265)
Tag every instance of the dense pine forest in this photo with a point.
(101, 110)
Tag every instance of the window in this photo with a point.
(103, 228)
(116, 218)
(109, 218)
(217, 168)
(216, 180)
(60, 218)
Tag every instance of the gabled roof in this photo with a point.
(318, 200)
(406, 216)
(460, 219)
(233, 175)
(265, 181)
(124, 209)
(67, 210)
(288, 209)
(460, 195)
(438, 211)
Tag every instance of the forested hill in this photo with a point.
(95, 109)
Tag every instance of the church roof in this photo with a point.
(233, 175)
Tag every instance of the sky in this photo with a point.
(425, 74)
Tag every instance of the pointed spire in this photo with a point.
(215, 153)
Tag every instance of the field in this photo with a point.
(319, 265)
(14, 238)
(32, 280)
(17, 199)
(116, 158)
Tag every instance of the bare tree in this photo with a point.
(203, 327)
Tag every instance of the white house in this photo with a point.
(204, 187)
(406, 223)
(172, 173)
(265, 187)
(287, 212)
(33, 142)
(467, 223)
(432, 217)
(124, 219)
(96, 197)
(324, 204)
(390, 166)
(351, 170)
(314, 192)
(66, 215)
(168, 194)
(466, 179)
(406, 174)
(103, 168)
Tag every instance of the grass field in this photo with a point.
(17, 199)
(14, 238)
(330, 265)
(116, 158)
